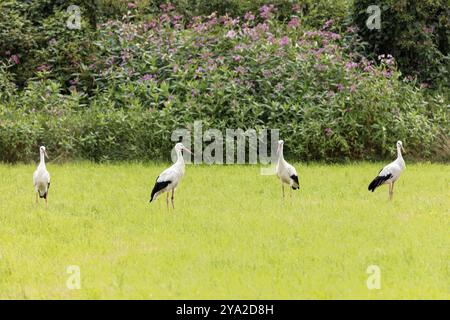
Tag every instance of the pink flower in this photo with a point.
(131, 5)
(328, 24)
(350, 65)
(237, 58)
(340, 87)
(262, 27)
(328, 132)
(235, 22)
(249, 16)
(387, 73)
(212, 22)
(153, 24)
(284, 41)
(167, 7)
(43, 67)
(15, 59)
(164, 18)
(368, 68)
(352, 88)
(271, 38)
(294, 23)
(200, 27)
(266, 11)
(231, 34)
(223, 19)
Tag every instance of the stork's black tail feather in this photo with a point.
(158, 187)
(296, 184)
(378, 181)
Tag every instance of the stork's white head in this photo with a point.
(400, 146)
(43, 151)
(280, 146)
(180, 147)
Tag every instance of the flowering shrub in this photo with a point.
(143, 79)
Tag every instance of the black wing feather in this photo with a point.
(158, 187)
(378, 181)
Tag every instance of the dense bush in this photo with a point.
(152, 76)
(415, 32)
(34, 39)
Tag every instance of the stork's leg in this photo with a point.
(173, 205)
(167, 200)
(391, 191)
(46, 200)
(37, 199)
(290, 192)
(282, 189)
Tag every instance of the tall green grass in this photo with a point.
(230, 235)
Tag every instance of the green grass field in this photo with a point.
(230, 236)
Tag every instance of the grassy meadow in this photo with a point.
(230, 235)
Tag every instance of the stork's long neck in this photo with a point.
(42, 162)
(280, 155)
(180, 159)
(400, 160)
(399, 152)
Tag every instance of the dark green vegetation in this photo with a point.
(135, 71)
(416, 33)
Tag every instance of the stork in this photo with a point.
(41, 178)
(169, 179)
(285, 171)
(390, 173)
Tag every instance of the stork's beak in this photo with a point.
(46, 155)
(187, 150)
(403, 149)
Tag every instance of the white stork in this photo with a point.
(390, 173)
(169, 179)
(285, 171)
(41, 178)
